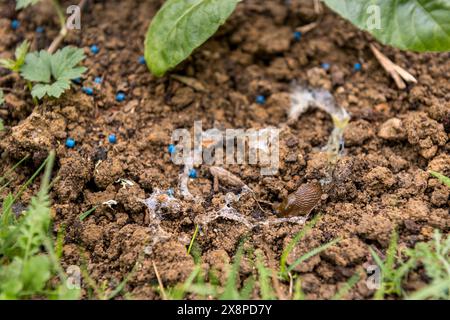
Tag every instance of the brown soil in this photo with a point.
(381, 182)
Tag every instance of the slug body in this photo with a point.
(302, 201)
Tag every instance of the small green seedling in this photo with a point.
(52, 73)
(181, 26)
(445, 180)
(84, 215)
(20, 54)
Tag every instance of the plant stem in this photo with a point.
(62, 20)
(60, 13)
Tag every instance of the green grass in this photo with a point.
(433, 257)
(30, 261)
(445, 180)
(84, 215)
(28, 258)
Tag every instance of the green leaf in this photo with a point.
(63, 63)
(37, 67)
(20, 54)
(419, 25)
(52, 72)
(21, 4)
(36, 272)
(445, 180)
(181, 26)
(2, 97)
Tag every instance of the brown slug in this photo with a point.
(302, 201)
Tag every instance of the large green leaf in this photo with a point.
(419, 25)
(179, 27)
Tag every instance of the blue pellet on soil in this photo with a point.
(95, 49)
(15, 24)
(193, 173)
(70, 143)
(120, 97)
(112, 138)
(260, 99)
(88, 91)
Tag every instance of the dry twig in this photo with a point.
(397, 73)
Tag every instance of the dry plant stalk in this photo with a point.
(396, 72)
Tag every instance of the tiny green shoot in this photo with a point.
(445, 180)
(192, 240)
(20, 54)
(85, 214)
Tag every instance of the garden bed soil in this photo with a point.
(380, 183)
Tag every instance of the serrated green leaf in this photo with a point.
(419, 25)
(64, 61)
(181, 26)
(21, 4)
(37, 67)
(53, 72)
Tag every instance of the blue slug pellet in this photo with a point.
(260, 99)
(357, 66)
(98, 80)
(171, 148)
(15, 24)
(40, 29)
(70, 143)
(141, 60)
(112, 138)
(88, 91)
(192, 173)
(120, 97)
(95, 49)
(325, 66)
(297, 35)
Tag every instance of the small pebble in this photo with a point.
(325, 66)
(88, 91)
(70, 143)
(98, 80)
(112, 138)
(260, 99)
(40, 29)
(192, 173)
(142, 60)
(15, 24)
(171, 148)
(357, 66)
(120, 97)
(95, 49)
(297, 35)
